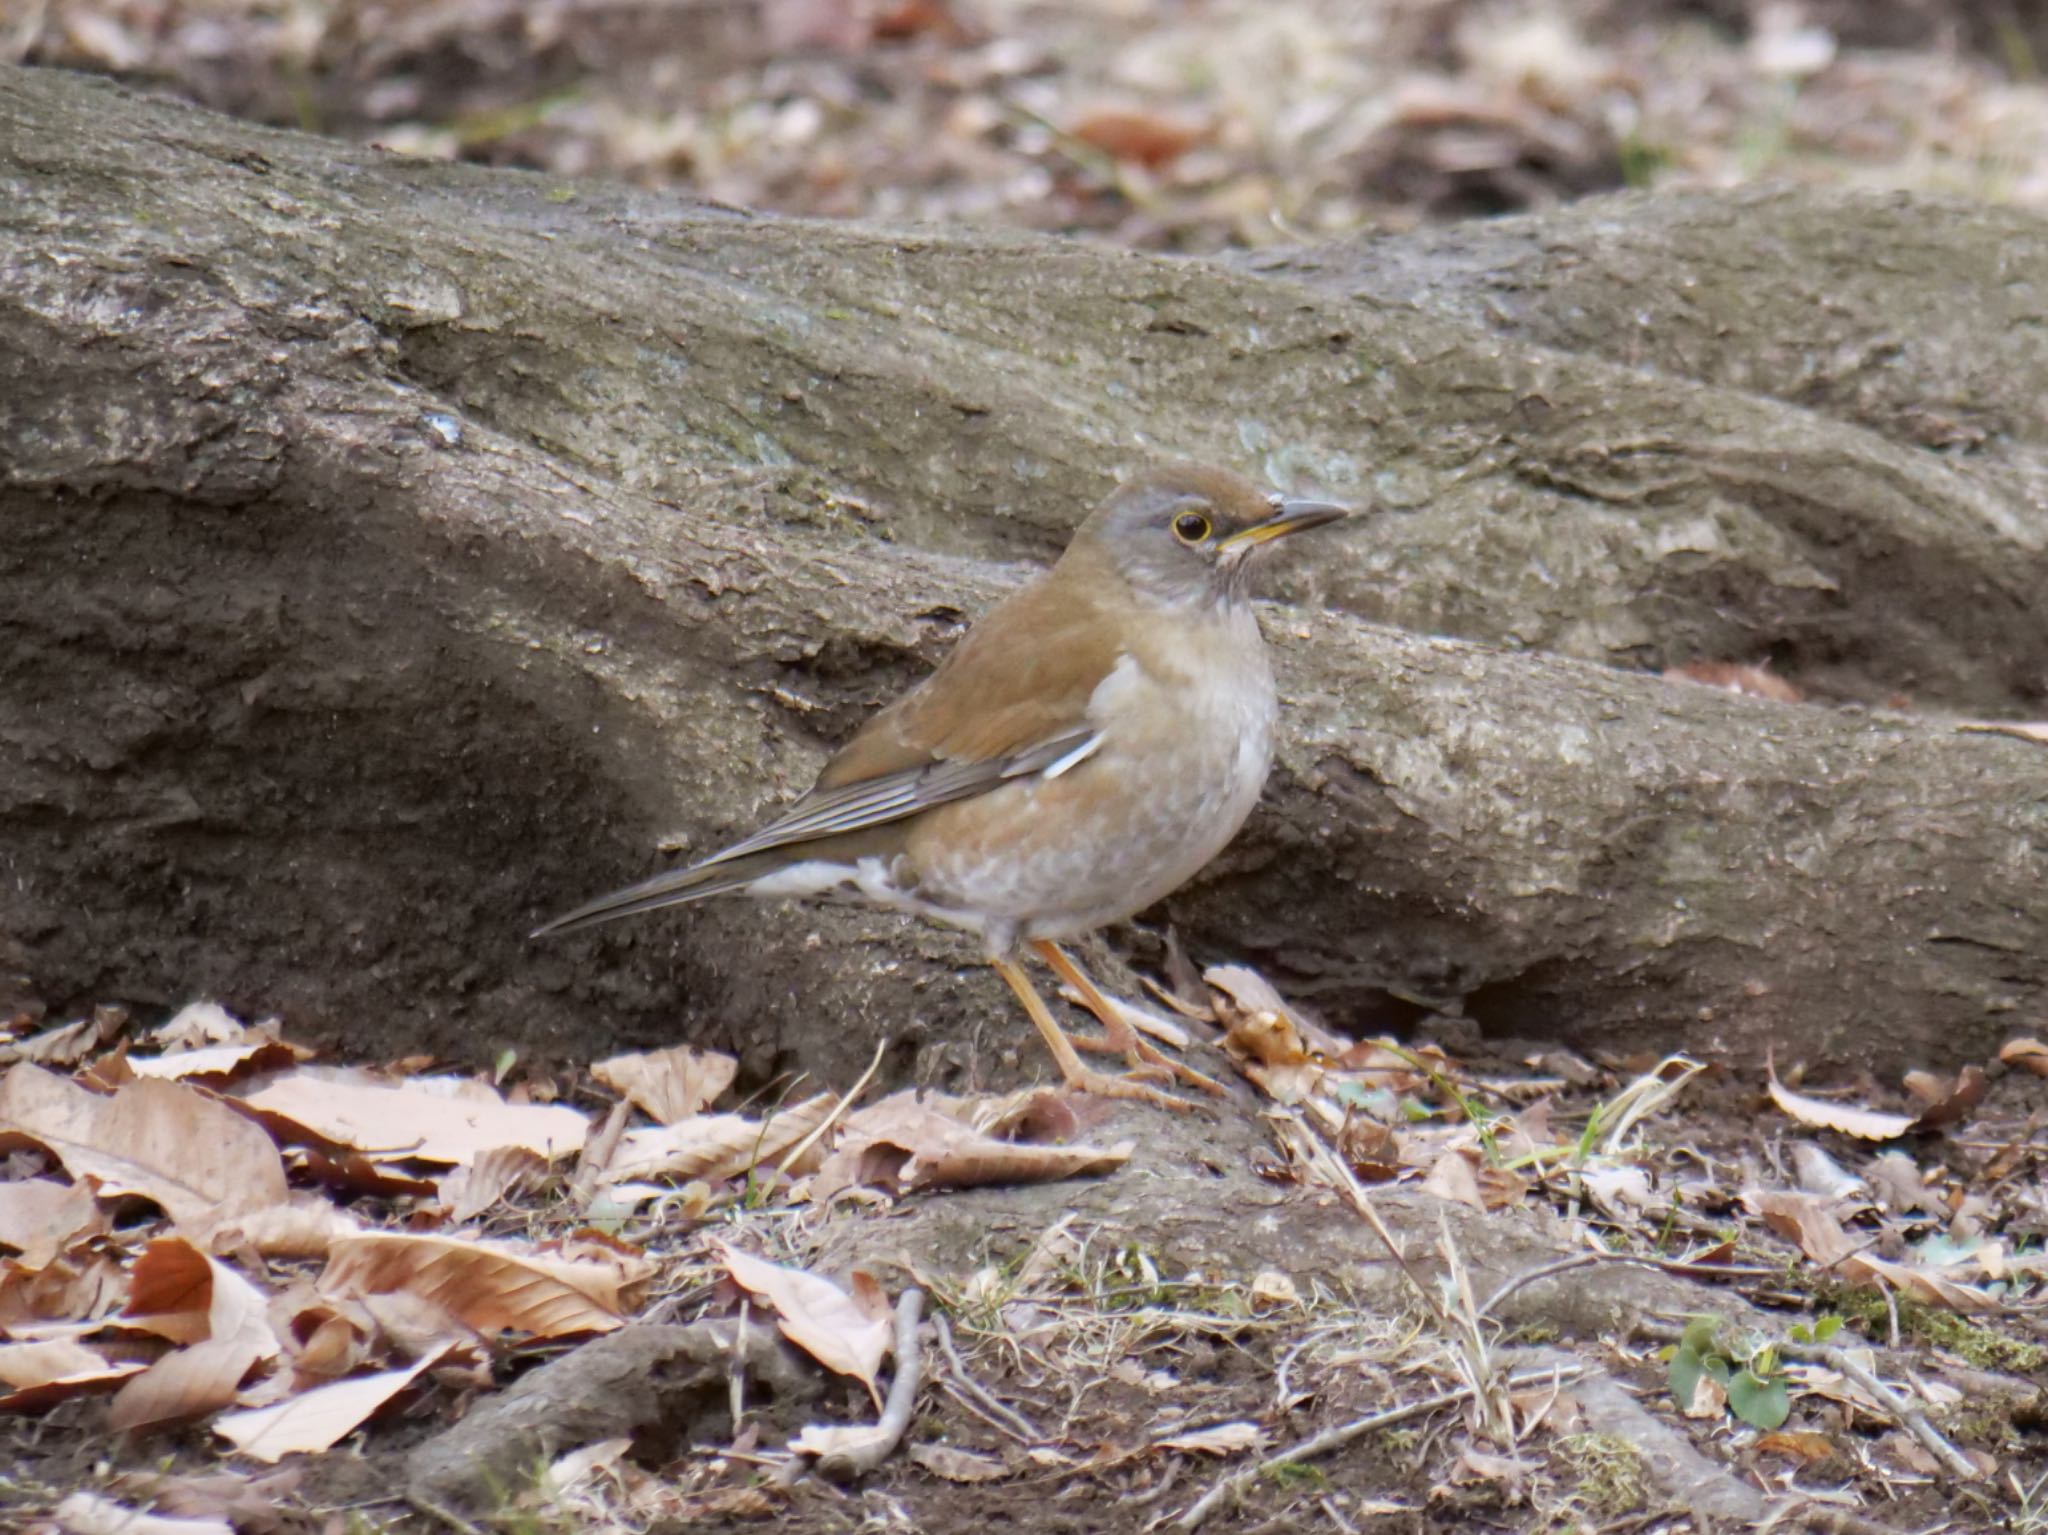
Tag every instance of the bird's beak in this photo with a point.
(1293, 517)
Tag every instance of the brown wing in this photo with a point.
(1021, 676)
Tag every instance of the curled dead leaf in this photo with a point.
(174, 1145)
(318, 1419)
(489, 1286)
(816, 1315)
(428, 1119)
(668, 1085)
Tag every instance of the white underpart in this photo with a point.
(867, 880)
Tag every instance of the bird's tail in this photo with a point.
(671, 889)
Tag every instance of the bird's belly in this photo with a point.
(1055, 857)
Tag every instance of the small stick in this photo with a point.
(877, 1444)
(1837, 1358)
(1343, 1434)
(1003, 1416)
(832, 1118)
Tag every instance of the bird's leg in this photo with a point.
(1118, 1034)
(1081, 1078)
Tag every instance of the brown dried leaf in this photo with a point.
(197, 1025)
(1453, 1178)
(1218, 1439)
(186, 1383)
(219, 1065)
(177, 1292)
(429, 1119)
(714, 1146)
(318, 1419)
(1806, 1220)
(903, 1143)
(81, 1283)
(350, 1172)
(2027, 1054)
(815, 1314)
(252, 1504)
(69, 1043)
(669, 1085)
(1946, 1105)
(489, 1286)
(172, 1144)
(39, 1375)
(1801, 1445)
(87, 1513)
(1866, 1124)
(305, 1227)
(955, 1465)
(40, 1217)
(472, 1189)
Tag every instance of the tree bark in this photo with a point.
(392, 553)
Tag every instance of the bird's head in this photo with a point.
(1187, 534)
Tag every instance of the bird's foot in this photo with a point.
(1147, 1059)
(1127, 1085)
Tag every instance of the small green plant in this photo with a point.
(1749, 1371)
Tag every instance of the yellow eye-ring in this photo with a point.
(1191, 527)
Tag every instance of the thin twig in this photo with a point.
(868, 1448)
(833, 1117)
(1337, 1438)
(1915, 1421)
(598, 1152)
(1001, 1414)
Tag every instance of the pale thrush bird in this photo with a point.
(1085, 749)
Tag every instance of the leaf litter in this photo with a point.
(237, 1294)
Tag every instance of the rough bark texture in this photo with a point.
(391, 553)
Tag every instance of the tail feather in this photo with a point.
(674, 888)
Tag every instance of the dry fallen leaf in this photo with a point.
(40, 1217)
(669, 1085)
(318, 1419)
(816, 1315)
(1866, 1124)
(1807, 1220)
(488, 1286)
(956, 1465)
(715, 1146)
(218, 1065)
(474, 1187)
(905, 1143)
(429, 1119)
(303, 1227)
(174, 1145)
(2027, 1054)
(39, 1375)
(87, 1513)
(1218, 1439)
(1454, 1178)
(177, 1292)
(69, 1043)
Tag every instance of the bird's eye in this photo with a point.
(1191, 527)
